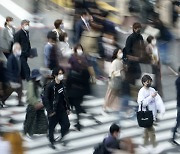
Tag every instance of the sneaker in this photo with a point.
(52, 145)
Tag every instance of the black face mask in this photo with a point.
(149, 85)
(138, 31)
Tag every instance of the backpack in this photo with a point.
(100, 149)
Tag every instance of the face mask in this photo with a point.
(18, 53)
(60, 77)
(66, 39)
(120, 55)
(153, 42)
(26, 27)
(79, 52)
(138, 31)
(10, 23)
(149, 85)
(62, 26)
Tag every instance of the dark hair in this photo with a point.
(77, 46)
(7, 20)
(114, 56)
(149, 39)
(114, 128)
(137, 25)
(57, 23)
(146, 78)
(84, 12)
(52, 35)
(56, 71)
(62, 37)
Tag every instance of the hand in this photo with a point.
(154, 94)
(68, 112)
(50, 115)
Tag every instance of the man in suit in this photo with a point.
(22, 37)
(81, 25)
(14, 74)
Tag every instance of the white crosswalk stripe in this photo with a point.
(92, 133)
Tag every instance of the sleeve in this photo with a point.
(144, 100)
(11, 72)
(128, 46)
(77, 32)
(31, 98)
(160, 105)
(47, 100)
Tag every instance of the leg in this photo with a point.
(177, 123)
(146, 137)
(152, 136)
(19, 92)
(52, 124)
(64, 123)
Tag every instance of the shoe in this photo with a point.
(78, 127)
(20, 104)
(174, 142)
(52, 145)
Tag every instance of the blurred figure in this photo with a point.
(7, 36)
(149, 98)
(59, 28)
(51, 57)
(153, 53)
(112, 95)
(89, 41)
(81, 25)
(22, 37)
(57, 106)
(175, 11)
(175, 130)
(163, 43)
(35, 121)
(133, 50)
(5, 146)
(14, 74)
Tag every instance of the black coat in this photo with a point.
(178, 91)
(13, 69)
(22, 38)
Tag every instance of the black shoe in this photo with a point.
(78, 127)
(52, 145)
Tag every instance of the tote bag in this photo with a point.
(145, 118)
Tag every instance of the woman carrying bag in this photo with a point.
(35, 121)
(114, 86)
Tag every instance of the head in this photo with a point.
(151, 40)
(117, 54)
(114, 130)
(85, 15)
(36, 75)
(51, 36)
(146, 81)
(16, 48)
(9, 21)
(78, 49)
(63, 37)
(58, 74)
(58, 24)
(137, 28)
(25, 24)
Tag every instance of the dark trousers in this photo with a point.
(60, 117)
(177, 123)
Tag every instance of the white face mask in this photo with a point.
(66, 39)
(120, 55)
(153, 42)
(61, 26)
(18, 53)
(60, 77)
(79, 52)
(10, 23)
(26, 27)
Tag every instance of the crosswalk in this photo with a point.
(81, 142)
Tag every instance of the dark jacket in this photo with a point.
(51, 102)
(178, 91)
(22, 38)
(13, 69)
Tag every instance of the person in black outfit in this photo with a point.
(56, 104)
(22, 37)
(178, 110)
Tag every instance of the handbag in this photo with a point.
(145, 118)
(115, 83)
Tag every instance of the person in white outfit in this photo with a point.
(150, 98)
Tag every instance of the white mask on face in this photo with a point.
(26, 27)
(79, 52)
(18, 53)
(10, 23)
(66, 39)
(60, 77)
(120, 55)
(153, 42)
(61, 26)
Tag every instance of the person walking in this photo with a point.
(112, 94)
(7, 36)
(149, 98)
(56, 104)
(22, 37)
(178, 110)
(35, 121)
(59, 28)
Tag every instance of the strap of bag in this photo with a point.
(146, 106)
